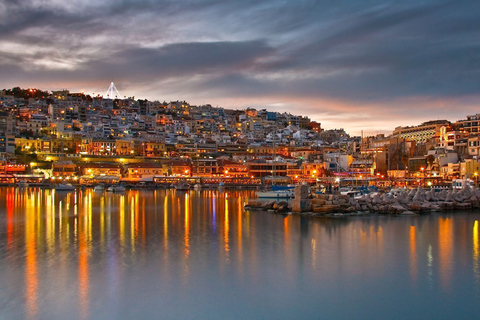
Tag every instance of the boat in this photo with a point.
(22, 184)
(352, 193)
(116, 189)
(99, 188)
(276, 194)
(197, 186)
(64, 187)
(276, 187)
(182, 186)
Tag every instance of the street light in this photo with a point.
(423, 176)
(476, 175)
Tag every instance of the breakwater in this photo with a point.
(397, 201)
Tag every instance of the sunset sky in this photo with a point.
(357, 65)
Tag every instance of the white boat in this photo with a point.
(116, 189)
(64, 187)
(99, 188)
(197, 186)
(182, 186)
(277, 194)
(22, 184)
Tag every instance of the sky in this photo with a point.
(359, 65)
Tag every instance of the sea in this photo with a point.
(166, 254)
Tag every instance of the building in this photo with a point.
(422, 132)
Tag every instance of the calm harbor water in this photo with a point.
(199, 255)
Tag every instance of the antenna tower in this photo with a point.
(112, 92)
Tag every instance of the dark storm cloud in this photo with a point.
(182, 59)
(384, 53)
(144, 64)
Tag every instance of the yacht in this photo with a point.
(99, 188)
(276, 194)
(116, 189)
(64, 187)
(182, 186)
(22, 184)
(197, 186)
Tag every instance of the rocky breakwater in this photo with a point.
(268, 205)
(333, 203)
(400, 201)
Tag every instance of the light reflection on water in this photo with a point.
(198, 254)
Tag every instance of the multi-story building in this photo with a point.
(143, 170)
(471, 124)
(260, 169)
(422, 132)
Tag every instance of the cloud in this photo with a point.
(371, 57)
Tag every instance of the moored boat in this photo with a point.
(64, 187)
(182, 186)
(116, 189)
(277, 194)
(22, 184)
(99, 188)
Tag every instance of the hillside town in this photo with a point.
(64, 136)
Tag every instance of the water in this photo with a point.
(199, 255)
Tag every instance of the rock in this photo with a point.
(320, 202)
(398, 209)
